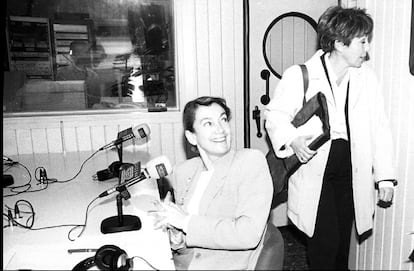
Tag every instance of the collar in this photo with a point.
(219, 163)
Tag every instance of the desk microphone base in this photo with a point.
(129, 223)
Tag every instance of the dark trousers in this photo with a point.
(329, 246)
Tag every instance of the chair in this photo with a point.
(272, 254)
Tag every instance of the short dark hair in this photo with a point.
(343, 24)
(191, 108)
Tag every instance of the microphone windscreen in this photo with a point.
(141, 133)
(159, 167)
(130, 171)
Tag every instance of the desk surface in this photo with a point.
(66, 203)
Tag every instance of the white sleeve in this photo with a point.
(286, 102)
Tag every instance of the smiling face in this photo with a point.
(211, 134)
(356, 52)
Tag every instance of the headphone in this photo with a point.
(111, 172)
(107, 257)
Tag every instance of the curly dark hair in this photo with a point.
(343, 24)
(191, 108)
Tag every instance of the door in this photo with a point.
(281, 33)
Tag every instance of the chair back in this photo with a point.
(272, 254)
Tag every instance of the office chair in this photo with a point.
(272, 254)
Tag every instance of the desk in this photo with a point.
(66, 203)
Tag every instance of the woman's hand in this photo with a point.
(301, 149)
(177, 238)
(169, 214)
(385, 194)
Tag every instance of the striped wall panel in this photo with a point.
(80, 133)
(390, 243)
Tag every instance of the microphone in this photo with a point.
(156, 168)
(140, 132)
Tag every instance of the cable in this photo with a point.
(37, 229)
(9, 166)
(68, 180)
(27, 185)
(32, 217)
(29, 219)
(83, 225)
(43, 179)
(46, 181)
(147, 262)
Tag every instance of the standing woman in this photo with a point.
(222, 197)
(336, 184)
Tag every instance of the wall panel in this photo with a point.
(390, 244)
(39, 137)
(202, 46)
(9, 142)
(167, 143)
(238, 79)
(215, 47)
(178, 140)
(102, 135)
(186, 39)
(24, 141)
(54, 140)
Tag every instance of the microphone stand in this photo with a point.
(120, 222)
(119, 150)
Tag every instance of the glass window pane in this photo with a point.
(89, 55)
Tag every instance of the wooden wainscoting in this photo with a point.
(60, 134)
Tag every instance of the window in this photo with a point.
(66, 55)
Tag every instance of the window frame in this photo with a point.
(106, 111)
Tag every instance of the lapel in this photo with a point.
(323, 82)
(222, 168)
(318, 80)
(190, 178)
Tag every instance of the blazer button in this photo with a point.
(198, 255)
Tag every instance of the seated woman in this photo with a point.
(222, 197)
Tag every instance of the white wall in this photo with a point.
(209, 39)
(390, 244)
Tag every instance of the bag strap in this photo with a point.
(305, 80)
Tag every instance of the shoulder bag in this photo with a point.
(282, 168)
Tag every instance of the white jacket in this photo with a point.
(372, 153)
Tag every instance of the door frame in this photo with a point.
(246, 72)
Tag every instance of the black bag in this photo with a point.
(282, 168)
